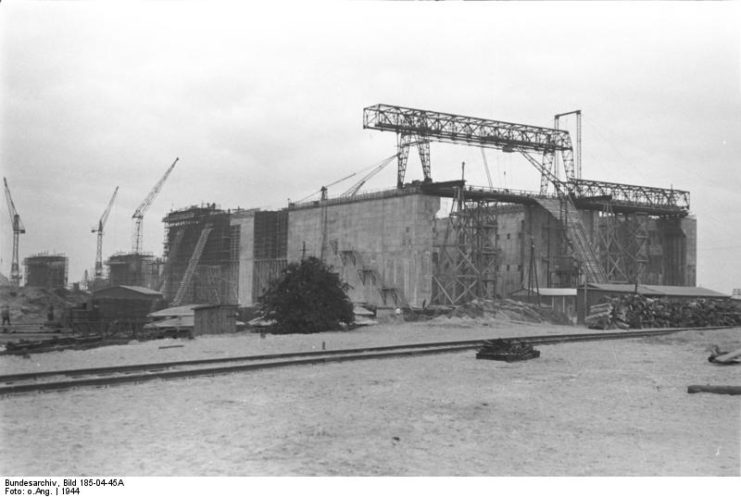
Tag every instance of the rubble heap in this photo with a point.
(638, 311)
(509, 309)
(507, 350)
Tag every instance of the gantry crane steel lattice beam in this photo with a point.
(416, 126)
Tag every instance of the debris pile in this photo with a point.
(33, 304)
(26, 347)
(507, 350)
(638, 311)
(512, 310)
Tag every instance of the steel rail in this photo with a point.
(152, 371)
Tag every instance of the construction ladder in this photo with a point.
(192, 264)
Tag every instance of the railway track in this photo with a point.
(137, 373)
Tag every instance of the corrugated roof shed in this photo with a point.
(687, 291)
(549, 292)
(172, 312)
(126, 292)
(658, 290)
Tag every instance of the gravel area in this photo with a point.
(612, 408)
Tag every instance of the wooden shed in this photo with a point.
(215, 319)
(123, 306)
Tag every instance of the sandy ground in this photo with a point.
(250, 343)
(602, 408)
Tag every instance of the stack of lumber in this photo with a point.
(637, 311)
(507, 350)
(601, 316)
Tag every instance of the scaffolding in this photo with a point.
(465, 261)
(201, 256)
(45, 270)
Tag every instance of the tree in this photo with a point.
(307, 298)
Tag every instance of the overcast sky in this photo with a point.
(264, 102)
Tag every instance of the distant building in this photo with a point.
(47, 271)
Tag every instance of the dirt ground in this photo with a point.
(32, 304)
(613, 408)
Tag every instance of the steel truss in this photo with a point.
(415, 126)
(636, 232)
(467, 258)
(632, 195)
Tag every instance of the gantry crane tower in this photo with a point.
(138, 216)
(99, 230)
(18, 229)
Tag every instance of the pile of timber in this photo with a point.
(26, 347)
(507, 350)
(638, 311)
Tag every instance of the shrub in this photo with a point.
(307, 298)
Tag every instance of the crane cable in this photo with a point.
(486, 168)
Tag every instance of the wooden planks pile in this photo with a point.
(637, 311)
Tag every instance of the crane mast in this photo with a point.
(99, 230)
(138, 215)
(18, 229)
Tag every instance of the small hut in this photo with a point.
(215, 319)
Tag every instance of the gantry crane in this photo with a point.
(416, 126)
(99, 230)
(138, 216)
(18, 229)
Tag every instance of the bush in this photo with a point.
(307, 298)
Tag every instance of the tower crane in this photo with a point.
(138, 216)
(377, 169)
(99, 230)
(18, 229)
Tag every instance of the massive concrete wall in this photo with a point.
(246, 222)
(381, 245)
(671, 248)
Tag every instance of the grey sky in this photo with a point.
(264, 102)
